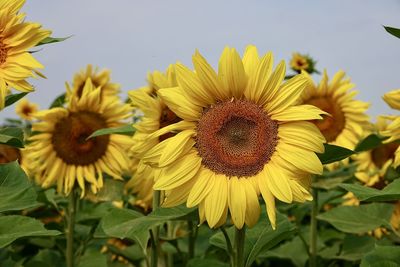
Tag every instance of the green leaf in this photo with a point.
(11, 99)
(330, 183)
(50, 40)
(382, 256)
(93, 258)
(113, 190)
(334, 153)
(363, 193)
(358, 219)
(125, 130)
(16, 191)
(58, 102)
(355, 247)
(13, 227)
(199, 262)
(370, 142)
(259, 238)
(124, 223)
(12, 136)
(393, 31)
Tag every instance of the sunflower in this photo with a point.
(16, 37)
(241, 135)
(346, 121)
(299, 62)
(155, 116)
(61, 151)
(393, 130)
(25, 109)
(9, 154)
(99, 78)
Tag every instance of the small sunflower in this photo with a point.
(299, 62)
(25, 109)
(242, 134)
(9, 154)
(346, 121)
(155, 116)
(393, 130)
(16, 37)
(99, 78)
(61, 152)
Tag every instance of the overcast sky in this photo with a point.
(133, 37)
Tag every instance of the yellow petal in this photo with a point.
(215, 201)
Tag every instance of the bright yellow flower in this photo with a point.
(61, 153)
(242, 134)
(299, 62)
(16, 38)
(155, 116)
(25, 109)
(393, 130)
(346, 121)
(99, 78)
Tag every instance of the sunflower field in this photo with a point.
(257, 162)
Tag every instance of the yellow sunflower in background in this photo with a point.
(25, 109)
(99, 78)
(371, 168)
(9, 154)
(393, 129)
(155, 116)
(346, 121)
(242, 133)
(61, 152)
(16, 37)
(299, 62)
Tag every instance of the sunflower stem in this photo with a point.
(314, 229)
(69, 232)
(240, 235)
(155, 232)
(192, 239)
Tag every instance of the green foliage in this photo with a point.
(16, 191)
(393, 31)
(334, 153)
(382, 256)
(197, 262)
(125, 130)
(12, 136)
(370, 142)
(358, 219)
(13, 227)
(50, 40)
(11, 99)
(59, 101)
(368, 194)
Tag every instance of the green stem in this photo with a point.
(69, 232)
(240, 235)
(155, 232)
(228, 246)
(192, 239)
(314, 229)
(170, 234)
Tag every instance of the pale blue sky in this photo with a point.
(133, 37)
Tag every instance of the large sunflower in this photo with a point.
(99, 78)
(344, 124)
(155, 116)
(16, 37)
(241, 134)
(393, 129)
(61, 152)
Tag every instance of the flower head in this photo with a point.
(242, 134)
(16, 38)
(63, 155)
(25, 109)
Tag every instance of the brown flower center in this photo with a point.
(69, 138)
(236, 138)
(9, 153)
(383, 153)
(167, 118)
(331, 125)
(3, 53)
(27, 110)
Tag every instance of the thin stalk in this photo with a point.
(240, 235)
(69, 232)
(170, 234)
(314, 229)
(192, 239)
(155, 232)
(228, 246)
